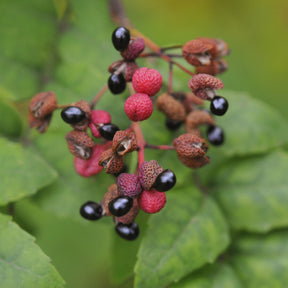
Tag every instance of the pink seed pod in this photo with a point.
(134, 49)
(87, 168)
(128, 185)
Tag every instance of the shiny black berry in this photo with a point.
(73, 115)
(116, 83)
(121, 38)
(108, 131)
(219, 105)
(91, 210)
(120, 205)
(215, 135)
(165, 181)
(172, 124)
(127, 231)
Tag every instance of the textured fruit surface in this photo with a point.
(87, 168)
(127, 231)
(146, 80)
(148, 172)
(120, 206)
(91, 210)
(138, 107)
(128, 185)
(152, 201)
(120, 38)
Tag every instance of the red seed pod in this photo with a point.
(80, 144)
(134, 49)
(191, 150)
(111, 194)
(172, 108)
(148, 173)
(198, 52)
(152, 201)
(128, 185)
(124, 142)
(204, 85)
(43, 104)
(87, 168)
(98, 117)
(131, 215)
(147, 81)
(138, 107)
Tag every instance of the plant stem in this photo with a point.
(98, 96)
(140, 142)
(159, 147)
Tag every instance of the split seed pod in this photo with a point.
(191, 150)
(80, 144)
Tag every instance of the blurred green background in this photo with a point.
(257, 33)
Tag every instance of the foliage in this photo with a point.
(224, 225)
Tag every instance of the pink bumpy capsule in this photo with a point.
(146, 80)
(152, 201)
(138, 107)
(128, 185)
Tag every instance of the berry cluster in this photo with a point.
(145, 188)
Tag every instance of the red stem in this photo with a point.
(140, 142)
(159, 147)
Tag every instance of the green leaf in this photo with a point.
(217, 275)
(12, 126)
(253, 192)
(123, 249)
(22, 172)
(188, 233)
(22, 263)
(262, 260)
(250, 126)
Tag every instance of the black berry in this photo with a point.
(108, 131)
(127, 231)
(219, 105)
(172, 124)
(73, 115)
(165, 181)
(116, 83)
(215, 135)
(91, 210)
(121, 38)
(120, 205)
